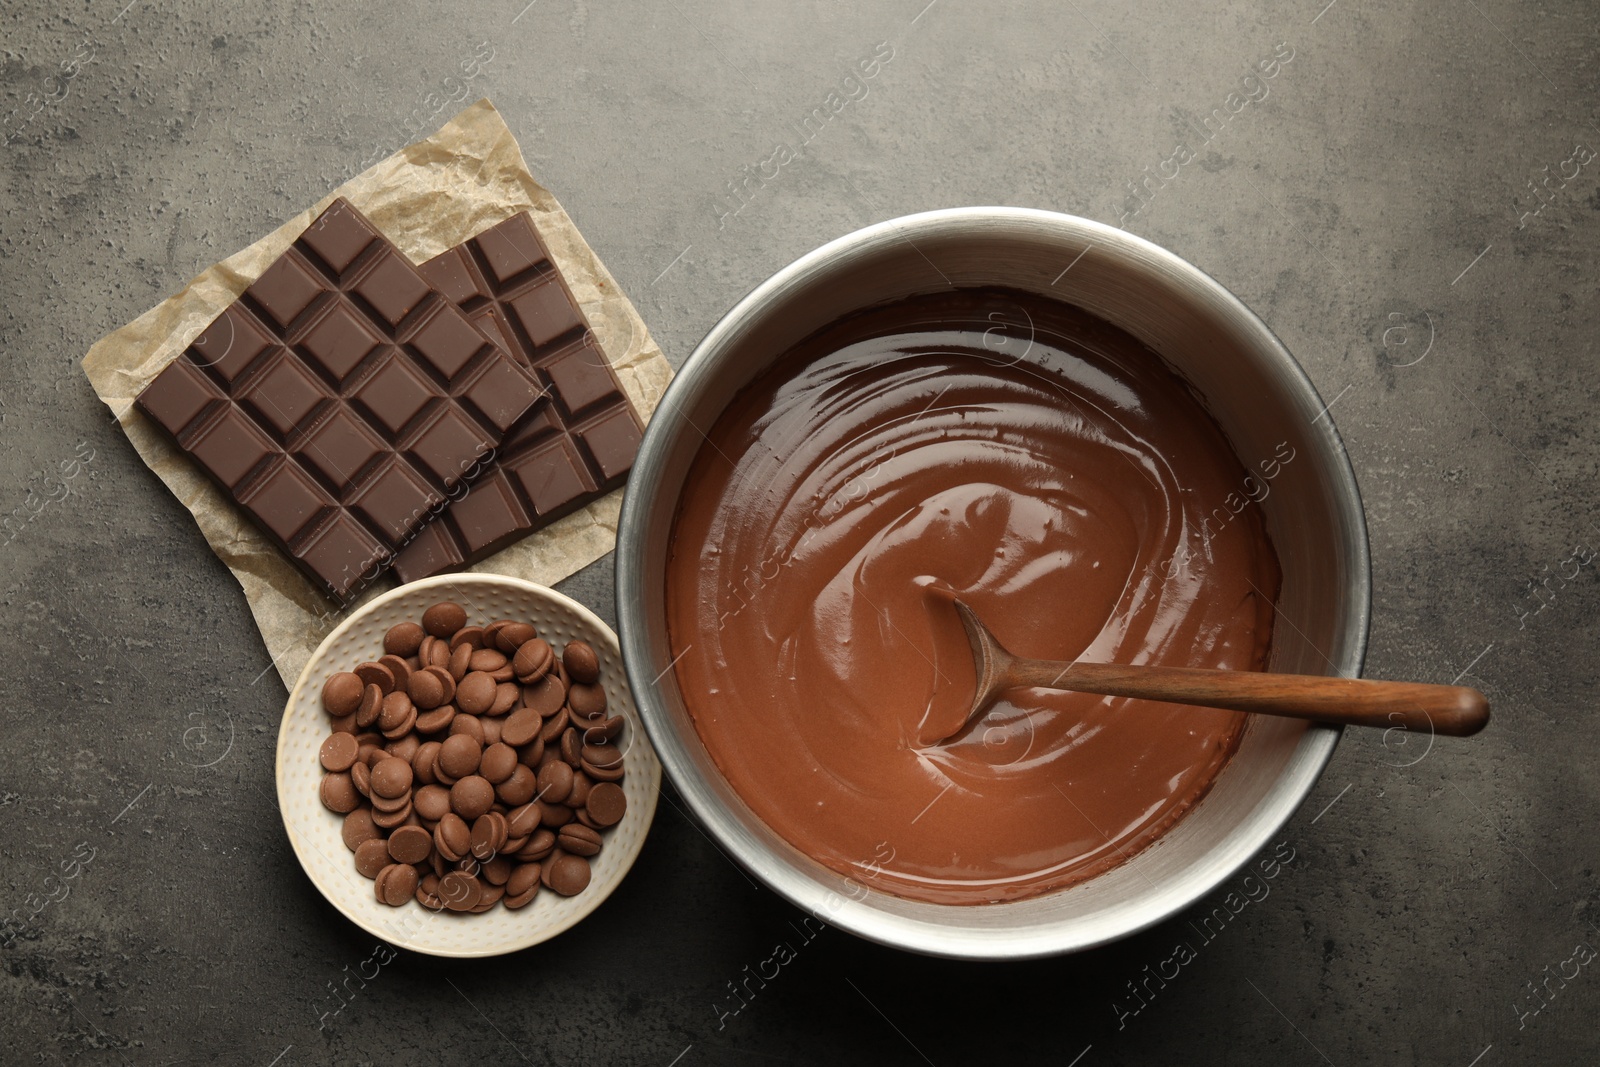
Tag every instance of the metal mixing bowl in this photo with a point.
(1250, 384)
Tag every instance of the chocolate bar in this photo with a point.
(574, 446)
(340, 400)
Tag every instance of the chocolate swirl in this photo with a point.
(1048, 469)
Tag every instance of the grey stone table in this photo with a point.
(1410, 200)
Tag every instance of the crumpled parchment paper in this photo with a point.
(427, 197)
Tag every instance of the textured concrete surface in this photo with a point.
(1410, 202)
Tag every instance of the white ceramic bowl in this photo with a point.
(314, 830)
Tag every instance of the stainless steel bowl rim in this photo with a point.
(1316, 747)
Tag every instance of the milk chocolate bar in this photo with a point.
(340, 400)
(574, 446)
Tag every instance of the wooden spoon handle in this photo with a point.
(1454, 711)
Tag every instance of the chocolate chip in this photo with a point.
(460, 891)
(447, 682)
(578, 840)
(433, 653)
(432, 802)
(358, 827)
(566, 874)
(496, 871)
(553, 726)
(491, 897)
(460, 658)
(386, 805)
(341, 693)
(555, 782)
(397, 707)
(403, 639)
(405, 747)
(410, 844)
(579, 796)
(571, 747)
(475, 694)
(533, 660)
(443, 620)
(422, 761)
(452, 837)
(581, 662)
(553, 815)
(370, 707)
(391, 778)
(438, 655)
(488, 835)
(403, 727)
(522, 821)
(506, 695)
(487, 660)
(426, 690)
(519, 788)
(547, 697)
(497, 764)
(372, 856)
(605, 730)
(521, 727)
(460, 755)
(471, 636)
(603, 756)
(540, 845)
(400, 669)
(338, 794)
(339, 752)
(514, 636)
(522, 900)
(587, 701)
(602, 774)
(376, 674)
(388, 820)
(524, 876)
(607, 803)
(396, 884)
(469, 725)
(437, 720)
(471, 796)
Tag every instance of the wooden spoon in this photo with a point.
(1452, 710)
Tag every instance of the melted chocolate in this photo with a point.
(1050, 470)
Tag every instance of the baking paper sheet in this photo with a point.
(427, 197)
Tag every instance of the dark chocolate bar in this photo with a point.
(340, 400)
(574, 446)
